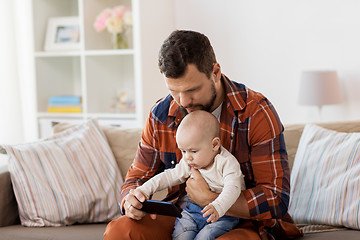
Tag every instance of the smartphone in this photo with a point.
(161, 208)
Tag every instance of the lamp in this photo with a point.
(319, 88)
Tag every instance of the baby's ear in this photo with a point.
(216, 143)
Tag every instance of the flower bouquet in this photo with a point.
(117, 21)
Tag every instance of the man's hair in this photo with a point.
(186, 47)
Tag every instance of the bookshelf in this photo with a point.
(95, 71)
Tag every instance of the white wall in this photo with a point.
(266, 44)
(157, 22)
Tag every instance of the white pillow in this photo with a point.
(325, 179)
(71, 177)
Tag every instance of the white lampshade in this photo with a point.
(319, 88)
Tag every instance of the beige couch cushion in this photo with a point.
(123, 143)
(79, 231)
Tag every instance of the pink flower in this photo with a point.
(101, 19)
(119, 11)
(115, 20)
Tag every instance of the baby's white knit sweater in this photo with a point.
(224, 177)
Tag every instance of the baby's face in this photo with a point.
(197, 151)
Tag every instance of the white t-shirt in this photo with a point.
(217, 112)
(224, 177)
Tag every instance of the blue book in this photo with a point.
(65, 99)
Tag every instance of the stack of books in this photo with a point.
(65, 104)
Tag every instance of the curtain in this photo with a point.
(11, 123)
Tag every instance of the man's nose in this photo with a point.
(185, 100)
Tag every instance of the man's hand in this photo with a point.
(198, 190)
(132, 204)
(210, 210)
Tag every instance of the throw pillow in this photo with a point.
(71, 177)
(122, 141)
(325, 179)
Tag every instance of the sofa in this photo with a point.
(123, 143)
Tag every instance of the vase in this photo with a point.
(119, 41)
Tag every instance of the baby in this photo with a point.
(198, 138)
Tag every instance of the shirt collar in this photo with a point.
(176, 112)
(233, 95)
(174, 108)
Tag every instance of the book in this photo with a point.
(65, 99)
(64, 109)
(64, 104)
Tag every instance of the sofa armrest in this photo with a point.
(8, 205)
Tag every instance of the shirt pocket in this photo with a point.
(170, 159)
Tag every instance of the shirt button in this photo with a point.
(172, 162)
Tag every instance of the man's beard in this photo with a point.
(206, 107)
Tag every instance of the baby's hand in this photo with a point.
(210, 210)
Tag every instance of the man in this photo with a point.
(250, 129)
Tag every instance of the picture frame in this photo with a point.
(62, 34)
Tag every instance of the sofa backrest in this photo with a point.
(124, 142)
(8, 206)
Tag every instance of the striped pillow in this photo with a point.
(325, 179)
(71, 177)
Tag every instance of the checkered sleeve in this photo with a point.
(147, 160)
(270, 197)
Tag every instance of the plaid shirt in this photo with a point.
(250, 129)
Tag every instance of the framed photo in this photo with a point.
(62, 34)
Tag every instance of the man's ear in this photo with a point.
(216, 71)
(216, 143)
